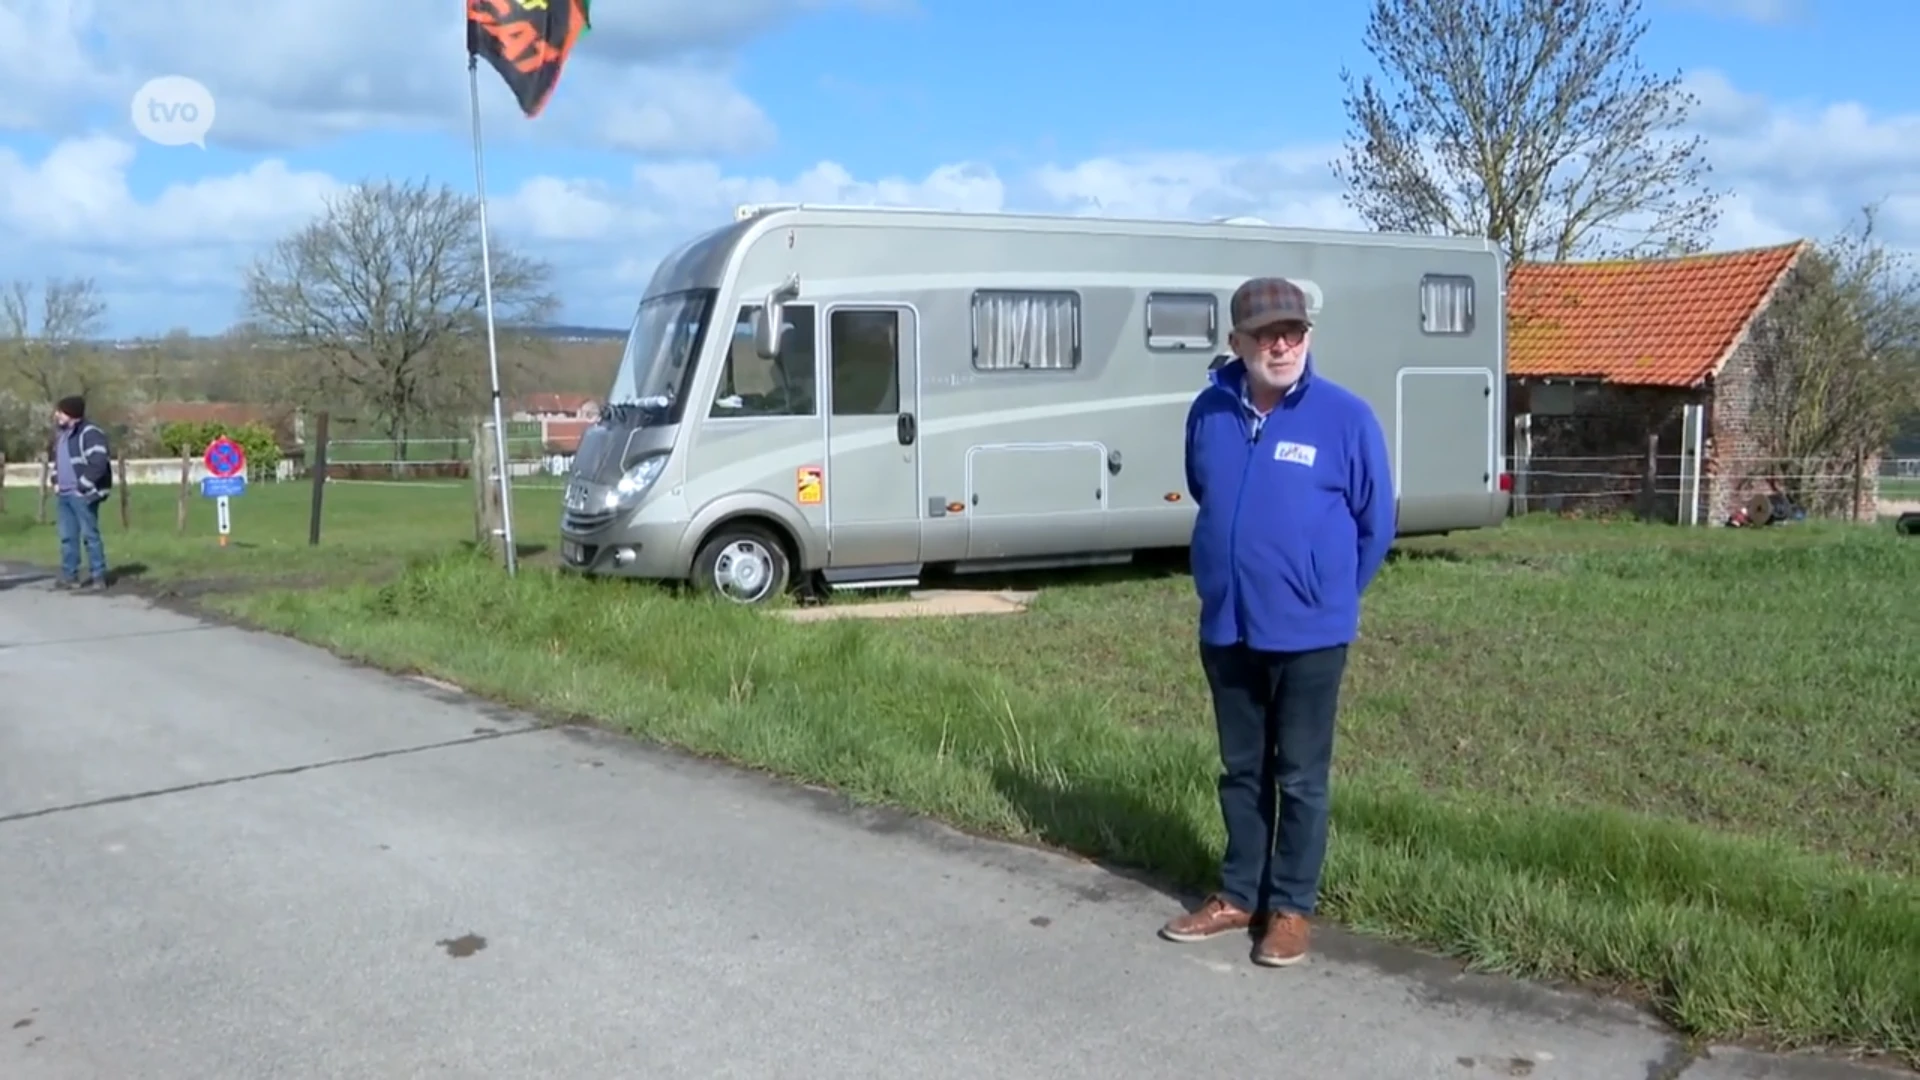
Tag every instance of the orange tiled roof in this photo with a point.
(1649, 322)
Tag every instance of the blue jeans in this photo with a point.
(1275, 714)
(80, 521)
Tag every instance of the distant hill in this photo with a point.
(577, 333)
(555, 332)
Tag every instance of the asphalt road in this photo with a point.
(227, 855)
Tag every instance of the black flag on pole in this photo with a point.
(527, 42)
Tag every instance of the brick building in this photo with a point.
(563, 418)
(1602, 355)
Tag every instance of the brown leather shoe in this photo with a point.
(1215, 917)
(1284, 943)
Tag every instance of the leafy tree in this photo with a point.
(383, 291)
(1839, 367)
(1530, 122)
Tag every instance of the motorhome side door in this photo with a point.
(873, 437)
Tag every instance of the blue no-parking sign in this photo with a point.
(225, 458)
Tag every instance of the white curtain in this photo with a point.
(1446, 305)
(1026, 331)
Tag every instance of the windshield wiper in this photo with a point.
(653, 408)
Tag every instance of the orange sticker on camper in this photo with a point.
(810, 484)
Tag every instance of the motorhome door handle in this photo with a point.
(905, 429)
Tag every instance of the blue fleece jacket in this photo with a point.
(1297, 512)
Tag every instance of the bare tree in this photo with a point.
(24, 427)
(383, 291)
(49, 343)
(1840, 360)
(1530, 122)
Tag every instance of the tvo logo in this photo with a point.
(173, 110)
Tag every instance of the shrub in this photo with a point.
(191, 439)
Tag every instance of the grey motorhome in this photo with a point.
(967, 391)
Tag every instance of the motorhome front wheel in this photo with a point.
(743, 564)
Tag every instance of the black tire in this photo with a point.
(742, 564)
(1908, 524)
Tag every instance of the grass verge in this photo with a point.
(1684, 764)
(368, 530)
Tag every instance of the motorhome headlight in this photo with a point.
(636, 481)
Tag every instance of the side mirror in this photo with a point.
(770, 322)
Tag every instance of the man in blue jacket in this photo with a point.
(82, 475)
(1296, 513)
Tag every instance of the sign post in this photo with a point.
(228, 464)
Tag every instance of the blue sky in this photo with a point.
(1144, 107)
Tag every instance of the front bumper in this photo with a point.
(624, 548)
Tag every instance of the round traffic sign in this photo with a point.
(225, 458)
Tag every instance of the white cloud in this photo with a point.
(312, 72)
(173, 258)
(1794, 170)
(78, 197)
(1293, 186)
(689, 110)
(1804, 168)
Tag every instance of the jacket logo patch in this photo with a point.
(1296, 453)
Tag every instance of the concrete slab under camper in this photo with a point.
(921, 603)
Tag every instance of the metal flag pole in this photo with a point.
(493, 347)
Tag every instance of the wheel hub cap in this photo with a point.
(744, 570)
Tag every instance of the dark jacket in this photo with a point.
(92, 456)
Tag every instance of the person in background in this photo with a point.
(1296, 513)
(81, 477)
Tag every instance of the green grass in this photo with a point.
(368, 530)
(1681, 763)
(1903, 488)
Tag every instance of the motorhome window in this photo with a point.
(656, 367)
(1446, 304)
(1026, 331)
(751, 385)
(863, 348)
(1182, 321)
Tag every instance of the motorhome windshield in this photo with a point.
(658, 362)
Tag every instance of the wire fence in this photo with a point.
(1900, 481)
(1662, 487)
(1677, 488)
(529, 456)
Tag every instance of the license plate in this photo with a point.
(572, 552)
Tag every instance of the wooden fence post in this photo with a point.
(490, 517)
(126, 511)
(486, 498)
(1521, 446)
(1859, 483)
(1650, 481)
(180, 512)
(317, 465)
(477, 473)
